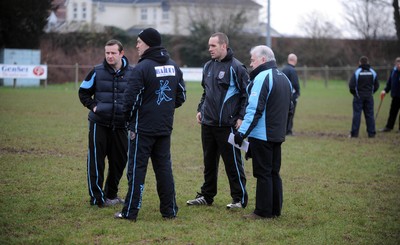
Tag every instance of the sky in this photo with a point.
(287, 15)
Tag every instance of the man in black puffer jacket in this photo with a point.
(155, 89)
(363, 84)
(102, 93)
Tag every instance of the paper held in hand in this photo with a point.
(245, 144)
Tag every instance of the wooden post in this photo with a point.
(15, 80)
(326, 76)
(76, 75)
(305, 76)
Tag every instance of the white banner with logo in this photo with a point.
(23, 71)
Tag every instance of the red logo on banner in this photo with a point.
(38, 71)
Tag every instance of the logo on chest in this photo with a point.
(221, 74)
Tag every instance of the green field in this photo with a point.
(336, 190)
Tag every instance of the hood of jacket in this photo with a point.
(157, 53)
(365, 66)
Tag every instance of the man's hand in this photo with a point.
(238, 123)
(383, 93)
(238, 138)
(198, 117)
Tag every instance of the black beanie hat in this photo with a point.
(151, 37)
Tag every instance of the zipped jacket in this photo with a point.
(269, 104)
(155, 89)
(104, 87)
(364, 82)
(393, 83)
(224, 95)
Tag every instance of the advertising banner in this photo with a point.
(23, 71)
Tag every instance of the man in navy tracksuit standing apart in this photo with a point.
(269, 105)
(155, 89)
(220, 112)
(363, 84)
(102, 92)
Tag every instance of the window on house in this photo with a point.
(84, 11)
(75, 11)
(165, 14)
(143, 14)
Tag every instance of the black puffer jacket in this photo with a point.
(103, 87)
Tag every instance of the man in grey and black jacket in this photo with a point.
(220, 112)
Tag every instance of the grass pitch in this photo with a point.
(336, 190)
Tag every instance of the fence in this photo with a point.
(66, 73)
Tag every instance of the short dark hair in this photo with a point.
(113, 42)
(222, 38)
(364, 60)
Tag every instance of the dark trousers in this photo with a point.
(141, 149)
(360, 105)
(266, 166)
(394, 110)
(289, 127)
(113, 144)
(215, 143)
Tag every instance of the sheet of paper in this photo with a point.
(245, 144)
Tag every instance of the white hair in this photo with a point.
(263, 51)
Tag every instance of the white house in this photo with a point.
(168, 16)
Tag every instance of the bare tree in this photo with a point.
(370, 19)
(397, 17)
(316, 26)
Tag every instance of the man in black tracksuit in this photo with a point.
(363, 84)
(393, 86)
(291, 73)
(102, 93)
(155, 89)
(220, 113)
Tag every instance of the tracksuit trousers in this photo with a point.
(113, 144)
(141, 148)
(360, 105)
(394, 110)
(215, 144)
(266, 167)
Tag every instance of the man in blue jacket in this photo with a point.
(363, 84)
(102, 93)
(154, 90)
(268, 107)
(393, 85)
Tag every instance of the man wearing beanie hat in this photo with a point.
(151, 37)
(154, 90)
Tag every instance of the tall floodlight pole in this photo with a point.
(269, 24)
